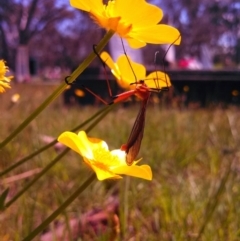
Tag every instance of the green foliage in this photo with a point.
(194, 155)
(3, 198)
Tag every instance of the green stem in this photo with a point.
(213, 202)
(100, 118)
(47, 221)
(125, 205)
(40, 174)
(60, 89)
(23, 160)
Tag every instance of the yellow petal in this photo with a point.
(158, 34)
(109, 62)
(130, 71)
(97, 5)
(139, 27)
(158, 80)
(107, 59)
(103, 172)
(145, 14)
(95, 143)
(5, 83)
(4, 80)
(135, 43)
(2, 89)
(105, 175)
(106, 22)
(78, 143)
(91, 144)
(143, 171)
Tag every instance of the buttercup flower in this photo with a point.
(127, 72)
(106, 164)
(135, 20)
(4, 81)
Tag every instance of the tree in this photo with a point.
(26, 20)
(5, 8)
(68, 44)
(214, 24)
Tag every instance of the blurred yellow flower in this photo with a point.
(79, 93)
(134, 20)
(15, 98)
(106, 164)
(127, 72)
(4, 81)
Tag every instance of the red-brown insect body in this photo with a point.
(141, 91)
(132, 147)
(133, 144)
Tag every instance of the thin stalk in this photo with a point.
(58, 211)
(57, 158)
(213, 202)
(60, 199)
(100, 118)
(40, 174)
(60, 89)
(25, 159)
(125, 206)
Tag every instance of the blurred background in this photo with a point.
(193, 152)
(46, 40)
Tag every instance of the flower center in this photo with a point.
(102, 159)
(111, 19)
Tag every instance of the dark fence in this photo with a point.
(202, 87)
(207, 87)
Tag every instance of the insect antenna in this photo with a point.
(125, 52)
(163, 63)
(105, 73)
(104, 67)
(156, 80)
(169, 49)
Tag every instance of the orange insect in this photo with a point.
(131, 75)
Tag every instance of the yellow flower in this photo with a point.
(4, 81)
(127, 72)
(15, 98)
(79, 93)
(135, 20)
(106, 164)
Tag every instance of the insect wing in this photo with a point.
(134, 141)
